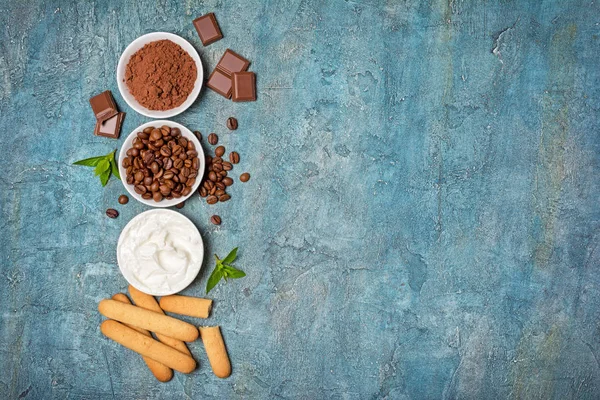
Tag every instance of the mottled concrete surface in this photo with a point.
(422, 221)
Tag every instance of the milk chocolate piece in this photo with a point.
(243, 86)
(104, 106)
(208, 29)
(220, 83)
(111, 128)
(232, 62)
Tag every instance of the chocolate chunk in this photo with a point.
(208, 29)
(232, 62)
(243, 86)
(220, 83)
(111, 128)
(104, 106)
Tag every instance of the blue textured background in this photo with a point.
(422, 220)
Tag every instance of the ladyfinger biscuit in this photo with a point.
(215, 350)
(148, 302)
(185, 305)
(160, 371)
(142, 318)
(147, 346)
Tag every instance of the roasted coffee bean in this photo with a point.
(191, 146)
(185, 171)
(212, 199)
(147, 196)
(180, 205)
(123, 199)
(154, 186)
(126, 162)
(168, 164)
(169, 183)
(155, 135)
(140, 189)
(222, 173)
(219, 192)
(169, 197)
(136, 163)
(190, 182)
(112, 213)
(165, 151)
(215, 219)
(191, 153)
(129, 170)
(175, 132)
(245, 177)
(213, 139)
(154, 167)
(183, 142)
(178, 163)
(166, 130)
(203, 192)
(168, 175)
(143, 135)
(183, 156)
(148, 181)
(174, 170)
(208, 159)
(188, 163)
(182, 179)
(196, 163)
(176, 150)
(227, 166)
(227, 181)
(135, 152)
(212, 190)
(148, 157)
(219, 151)
(159, 174)
(212, 176)
(224, 197)
(130, 179)
(176, 194)
(209, 185)
(232, 123)
(187, 190)
(220, 185)
(175, 178)
(234, 157)
(198, 135)
(164, 190)
(218, 167)
(217, 160)
(157, 196)
(138, 145)
(149, 130)
(159, 143)
(139, 176)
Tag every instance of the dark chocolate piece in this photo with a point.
(220, 83)
(208, 29)
(243, 86)
(111, 128)
(232, 62)
(104, 106)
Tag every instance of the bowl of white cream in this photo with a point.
(160, 252)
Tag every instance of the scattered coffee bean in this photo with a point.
(198, 135)
(219, 151)
(203, 192)
(232, 123)
(123, 199)
(213, 139)
(234, 157)
(224, 197)
(212, 199)
(112, 213)
(215, 219)
(245, 177)
(227, 181)
(180, 205)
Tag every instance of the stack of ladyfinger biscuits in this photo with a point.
(132, 326)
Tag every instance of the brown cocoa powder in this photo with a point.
(161, 75)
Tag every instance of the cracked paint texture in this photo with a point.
(422, 220)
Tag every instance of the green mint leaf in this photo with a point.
(214, 278)
(89, 162)
(104, 177)
(230, 257)
(233, 273)
(114, 168)
(102, 166)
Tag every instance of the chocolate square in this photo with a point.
(220, 83)
(208, 29)
(111, 128)
(243, 86)
(104, 106)
(232, 62)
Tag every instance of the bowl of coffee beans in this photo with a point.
(161, 163)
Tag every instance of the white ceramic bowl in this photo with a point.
(183, 224)
(186, 133)
(138, 44)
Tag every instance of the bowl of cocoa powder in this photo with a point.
(160, 75)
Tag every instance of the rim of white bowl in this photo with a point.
(184, 283)
(185, 132)
(138, 44)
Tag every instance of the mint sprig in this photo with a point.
(104, 166)
(224, 270)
